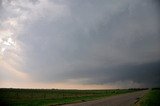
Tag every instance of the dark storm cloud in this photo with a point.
(92, 41)
(91, 37)
(147, 75)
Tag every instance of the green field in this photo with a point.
(46, 97)
(152, 98)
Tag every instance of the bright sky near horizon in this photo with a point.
(79, 44)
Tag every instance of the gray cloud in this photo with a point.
(102, 42)
(146, 75)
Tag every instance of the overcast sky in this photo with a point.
(80, 44)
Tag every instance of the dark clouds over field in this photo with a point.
(100, 42)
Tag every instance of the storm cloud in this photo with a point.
(107, 42)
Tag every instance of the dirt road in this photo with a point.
(120, 100)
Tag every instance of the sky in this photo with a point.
(79, 44)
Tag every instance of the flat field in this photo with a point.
(47, 97)
(152, 98)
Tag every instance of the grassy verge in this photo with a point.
(46, 97)
(152, 98)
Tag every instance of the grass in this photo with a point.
(152, 98)
(46, 97)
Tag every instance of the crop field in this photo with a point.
(152, 98)
(47, 97)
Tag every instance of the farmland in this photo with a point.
(152, 98)
(45, 97)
